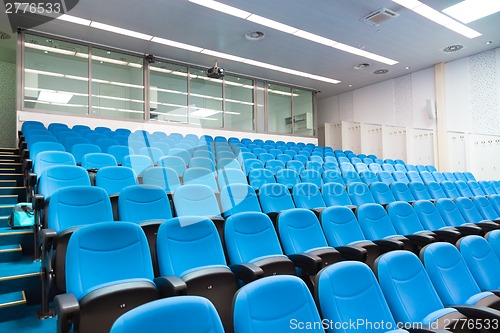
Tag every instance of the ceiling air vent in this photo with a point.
(380, 16)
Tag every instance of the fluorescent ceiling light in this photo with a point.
(291, 30)
(74, 19)
(262, 64)
(49, 49)
(471, 10)
(36, 71)
(176, 44)
(223, 55)
(434, 15)
(109, 60)
(54, 97)
(202, 113)
(120, 31)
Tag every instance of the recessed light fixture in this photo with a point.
(255, 36)
(361, 66)
(489, 42)
(407, 67)
(453, 48)
(381, 71)
(472, 10)
(438, 17)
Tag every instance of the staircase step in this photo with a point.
(8, 199)
(8, 183)
(21, 275)
(20, 191)
(5, 210)
(10, 253)
(4, 221)
(24, 237)
(12, 167)
(9, 158)
(12, 306)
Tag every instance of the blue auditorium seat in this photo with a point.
(196, 200)
(406, 222)
(400, 176)
(311, 176)
(414, 176)
(359, 194)
(351, 177)
(39, 147)
(361, 167)
(435, 190)
(228, 176)
(174, 162)
(153, 153)
(375, 167)
(493, 238)
(119, 152)
(450, 176)
(430, 219)
(252, 163)
(182, 153)
(237, 198)
(421, 168)
(471, 214)
(438, 176)
(469, 176)
(202, 176)
(138, 163)
(95, 161)
(486, 209)
(452, 217)
(410, 293)
(259, 177)
(460, 176)
(275, 304)
(228, 163)
(388, 167)
(80, 149)
(381, 193)
(385, 177)
(431, 168)
(486, 187)
(189, 248)
(184, 314)
(113, 179)
(475, 187)
(427, 177)
(335, 194)
(400, 167)
(450, 189)
(202, 162)
(284, 158)
(99, 276)
(332, 176)
(295, 165)
(368, 177)
(344, 291)
(463, 189)
(287, 177)
(163, 146)
(274, 166)
(275, 198)
(164, 177)
(104, 144)
(46, 159)
(402, 192)
(307, 195)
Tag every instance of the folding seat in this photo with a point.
(65, 134)
(204, 153)
(284, 158)
(258, 151)
(381, 193)
(225, 154)
(427, 177)
(137, 162)
(275, 198)
(69, 142)
(158, 135)
(419, 191)
(335, 194)
(469, 176)
(401, 192)
(452, 279)
(295, 165)
(431, 220)
(274, 151)
(449, 176)
(400, 176)
(385, 177)
(388, 167)
(228, 163)
(359, 194)
(301, 158)
(331, 166)
(361, 167)
(482, 262)
(176, 136)
(265, 157)
(331, 159)
(114, 179)
(356, 160)
(69, 208)
(373, 157)
(343, 159)
(197, 200)
(287, 177)
(308, 195)
(189, 248)
(389, 161)
(39, 136)
(246, 229)
(400, 167)
(316, 158)
(95, 161)
(121, 131)
(103, 130)
(410, 293)
(420, 168)
(368, 177)
(119, 152)
(496, 186)
(460, 176)
(121, 139)
(173, 162)
(246, 141)
(453, 217)
(367, 161)
(182, 153)
(258, 142)
(493, 238)
(435, 190)
(45, 159)
(259, 177)
(344, 291)
(39, 147)
(275, 304)
(414, 176)
(202, 162)
(186, 145)
(229, 176)
(463, 189)
(80, 149)
(486, 187)
(471, 214)
(350, 177)
(104, 144)
(252, 163)
(153, 153)
(346, 167)
(237, 198)
(438, 176)
(94, 137)
(475, 188)
(164, 177)
(313, 165)
(290, 153)
(311, 176)
(32, 124)
(53, 127)
(450, 190)
(201, 176)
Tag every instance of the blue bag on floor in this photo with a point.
(22, 216)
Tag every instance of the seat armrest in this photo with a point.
(274, 217)
(488, 225)
(27, 164)
(169, 286)
(478, 312)
(318, 211)
(421, 239)
(387, 245)
(247, 272)
(31, 180)
(470, 229)
(308, 262)
(353, 253)
(450, 235)
(46, 239)
(38, 202)
(67, 309)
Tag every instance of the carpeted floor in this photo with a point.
(29, 323)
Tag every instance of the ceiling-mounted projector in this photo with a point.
(216, 72)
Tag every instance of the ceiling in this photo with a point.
(415, 42)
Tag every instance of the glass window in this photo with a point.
(303, 112)
(280, 109)
(117, 85)
(238, 103)
(205, 99)
(168, 94)
(55, 75)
